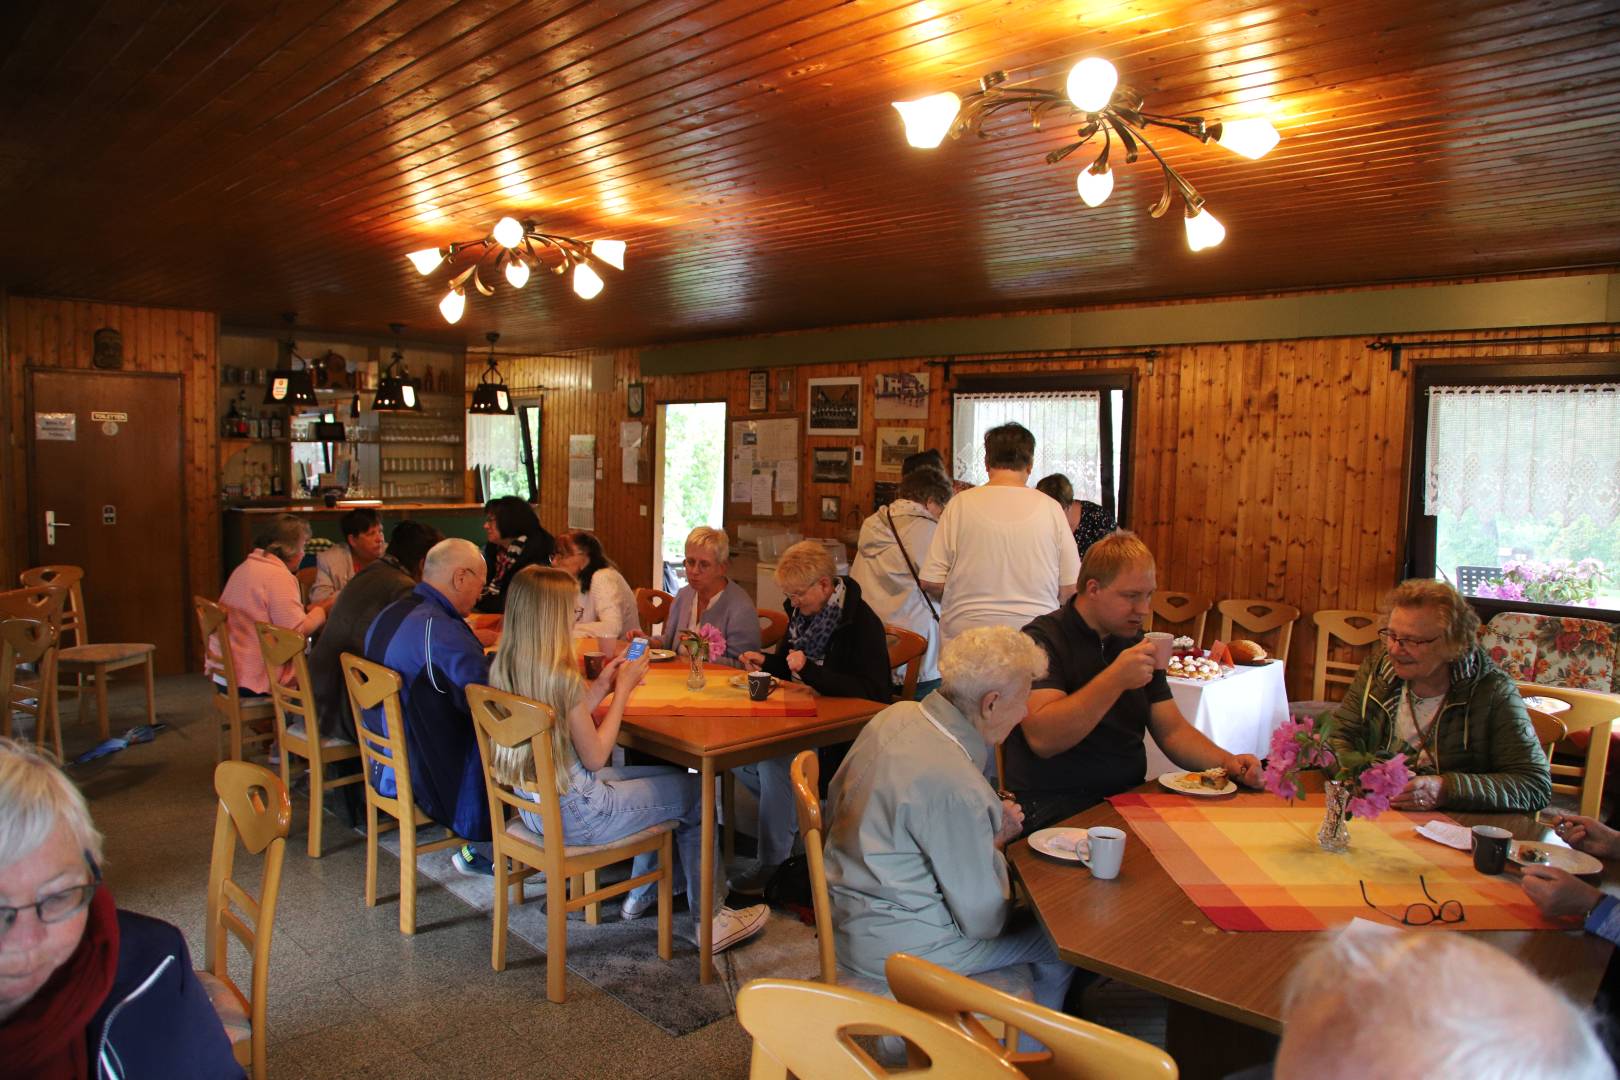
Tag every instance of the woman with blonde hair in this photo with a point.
(1430, 691)
(600, 804)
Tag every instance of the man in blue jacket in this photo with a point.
(425, 637)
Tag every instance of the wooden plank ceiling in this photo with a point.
(252, 158)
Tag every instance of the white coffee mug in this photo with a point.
(1107, 851)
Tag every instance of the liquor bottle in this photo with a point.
(228, 427)
(241, 415)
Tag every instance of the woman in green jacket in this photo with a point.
(1430, 691)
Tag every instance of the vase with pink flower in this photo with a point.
(1360, 782)
(704, 643)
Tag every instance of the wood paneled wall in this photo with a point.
(1273, 469)
(52, 333)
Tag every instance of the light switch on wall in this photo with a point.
(643, 509)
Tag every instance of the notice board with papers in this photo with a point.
(762, 467)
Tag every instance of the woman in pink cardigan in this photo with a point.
(264, 588)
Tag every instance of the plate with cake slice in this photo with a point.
(1208, 783)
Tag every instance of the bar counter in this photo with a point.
(465, 520)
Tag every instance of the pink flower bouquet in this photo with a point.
(1372, 779)
(706, 641)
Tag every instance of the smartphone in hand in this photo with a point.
(637, 649)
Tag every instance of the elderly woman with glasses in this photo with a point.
(1430, 691)
(86, 989)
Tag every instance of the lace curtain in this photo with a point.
(1065, 427)
(494, 441)
(1547, 451)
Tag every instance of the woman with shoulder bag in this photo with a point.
(892, 544)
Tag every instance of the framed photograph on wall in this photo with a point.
(835, 406)
(759, 391)
(894, 445)
(829, 465)
(829, 508)
(635, 398)
(784, 390)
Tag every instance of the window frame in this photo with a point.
(1422, 530)
(1116, 504)
(529, 453)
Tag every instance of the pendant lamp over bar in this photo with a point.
(396, 390)
(491, 398)
(289, 384)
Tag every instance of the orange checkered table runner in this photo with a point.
(1253, 863)
(664, 693)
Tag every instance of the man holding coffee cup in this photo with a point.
(1105, 688)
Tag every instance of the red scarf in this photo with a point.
(46, 1039)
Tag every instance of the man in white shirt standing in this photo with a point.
(1003, 553)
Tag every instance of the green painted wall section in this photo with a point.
(1526, 302)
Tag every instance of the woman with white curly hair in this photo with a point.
(914, 850)
(86, 990)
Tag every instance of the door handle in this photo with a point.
(51, 525)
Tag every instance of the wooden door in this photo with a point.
(105, 460)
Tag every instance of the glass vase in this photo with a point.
(696, 680)
(1334, 835)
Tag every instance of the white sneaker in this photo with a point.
(734, 926)
(634, 907)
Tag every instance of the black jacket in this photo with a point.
(537, 551)
(156, 1022)
(357, 607)
(857, 661)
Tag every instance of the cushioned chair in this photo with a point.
(652, 607)
(297, 728)
(242, 721)
(906, 647)
(1260, 617)
(1352, 630)
(502, 719)
(772, 627)
(254, 812)
(1178, 608)
(1075, 1049)
(80, 658)
(373, 686)
(804, 1029)
(33, 642)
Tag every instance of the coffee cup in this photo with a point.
(594, 660)
(760, 685)
(1491, 848)
(1107, 846)
(1162, 645)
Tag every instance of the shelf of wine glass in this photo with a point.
(446, 440)
(250, 440)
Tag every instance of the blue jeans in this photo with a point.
(772, 784)
(634, 797)
(1026, 945)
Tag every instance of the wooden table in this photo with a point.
(713, 744)
(1142, 929)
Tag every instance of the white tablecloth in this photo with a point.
(1239, 711)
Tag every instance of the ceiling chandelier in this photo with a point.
(518, 248)
(491, 398)
(1110, 111)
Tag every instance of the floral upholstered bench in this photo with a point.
(1578, 660)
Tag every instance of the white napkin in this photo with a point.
(1453, 836)
(1076, 841)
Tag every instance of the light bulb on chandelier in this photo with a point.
(587, 282)
(453, 304)
(928, 120)
(517, 273)
(1203, 230)
(1095, 186)
(508, 232)
(1091, 84)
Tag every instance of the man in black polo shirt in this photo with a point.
(1082, 738)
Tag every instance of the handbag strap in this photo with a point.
(901, 544)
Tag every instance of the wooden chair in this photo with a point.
(806, 777)
(1075, 1049)
(1181, 607)
(235, 712)
(906, 647)
(804, 1029)
(652, 606)
(306, 582)
(1351, 629)
(29, 641)
(374, 686)
(1550, 731)
(83, 660)
(298, 728)
(502, 719)
(1260, 617)
(253, 810)
(1588, 711)
(772, 627)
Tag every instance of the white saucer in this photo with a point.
(1563, 858)
(1042, 842)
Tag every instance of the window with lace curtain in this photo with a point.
(1078, 423)
(1519, 482)
(505, 452)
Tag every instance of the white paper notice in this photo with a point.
(582, 474)
(761, 494)
(787, 481)
(742, 461)
(776, 440)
